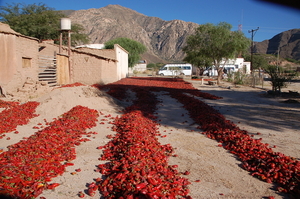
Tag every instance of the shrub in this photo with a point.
(279, 77)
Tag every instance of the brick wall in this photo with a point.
(89, 69)
(18, 60)
(27, 50)
(8, 58)
(109, 72)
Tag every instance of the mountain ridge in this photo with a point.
(163, 39)
(287, 43)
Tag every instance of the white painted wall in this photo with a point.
(140, 67)
(237, 63)
(122, 64)
(95, 46)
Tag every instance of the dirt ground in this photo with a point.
(218, 170)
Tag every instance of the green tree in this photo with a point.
(134, 48)
(151, 65)
(39, 21)
(198, 60)
(293, 60)
(216, 43)
(259, 61)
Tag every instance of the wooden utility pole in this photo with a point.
(252, 46)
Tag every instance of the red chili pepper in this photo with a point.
(69, 164)
(152, 181)
(52, 186)
(81, 194)
(141, 186)
(186, 173)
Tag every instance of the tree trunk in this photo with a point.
(220, 74)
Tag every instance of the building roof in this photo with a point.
(96, 52)
(5, 28)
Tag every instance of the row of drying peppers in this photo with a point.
(29, 165)
(256, 157)
(138, 163)
(15, 114)
(118, 89)
(138, 166)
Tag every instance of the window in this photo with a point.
(26, 62)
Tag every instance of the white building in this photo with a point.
(95, 46)
(139, 67)
(231, 65)
(237, 64)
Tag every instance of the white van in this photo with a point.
(175, 69)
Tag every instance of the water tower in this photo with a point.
(65, 26)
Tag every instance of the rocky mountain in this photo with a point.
(163, 39)
(286, 43)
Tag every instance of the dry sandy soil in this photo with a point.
(218, 170)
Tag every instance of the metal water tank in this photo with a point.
(65, 24)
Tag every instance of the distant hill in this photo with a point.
(287, 43)
(163, 39)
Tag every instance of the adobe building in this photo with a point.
(23, 58)
(18, 58)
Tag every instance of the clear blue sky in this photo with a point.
(271, 19)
